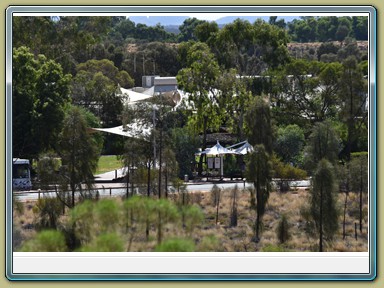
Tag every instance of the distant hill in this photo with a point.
(178, 20)
(163, 20)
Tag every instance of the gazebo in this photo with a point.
(220, 151)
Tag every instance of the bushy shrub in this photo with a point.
(282, 229)
(46, 241)
(176, 245)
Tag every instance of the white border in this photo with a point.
(151, 262)
(190, 263)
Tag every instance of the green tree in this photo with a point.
(109, 242)
(258, 123)
(46, 241)
(79, 154)
(233, 43)
(192, 216)
(359, 179)
(40, 93)
(199, 79)
(289, 143)
(323, 143)
(353, 95)
(258, 171)
(139, 212)
(184, 144)
(327, 27)
(324, 210)
(187, 29)
(47, 213)
(206, 32)
(33, 32)
(167, 213)
(327, 48)
(360, 27)
(251, 48)
(93, 219)
(282, 229)
(47, 169)
(95, 88)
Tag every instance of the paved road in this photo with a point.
(118, 189)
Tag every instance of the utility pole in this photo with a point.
(143, 65)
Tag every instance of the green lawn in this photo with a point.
(108, 163)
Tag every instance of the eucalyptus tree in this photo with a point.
(206, 32)
(232, 45)
(40, 93)
(251, 49)
(323, 202)
(359, 180)
(259, 172)
(79, 152)
(258, 123)
(323, 143)
(270, 46)
(138, 153)
(354, 97)
(305, 92)
(289, 144)
(36, 33)
(187, 29)
(199, 79)
(95, 88)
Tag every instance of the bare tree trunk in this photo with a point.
(217, 207)
(200, 166)
(321, 220)
(166, 181)
(361, 200)
(345, 211)
(149, 179)
(160, 160)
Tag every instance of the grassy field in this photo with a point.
(108, 163)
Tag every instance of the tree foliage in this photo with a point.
(40, 93)
(323, 143)
(329, 28)
(259, 172)
(79, 154)
(258, 123)
(324, 208)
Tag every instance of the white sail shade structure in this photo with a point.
(244, 149)
(134, 97)
(132, 131)
(220, 151)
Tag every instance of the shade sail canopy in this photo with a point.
(132, 131)
(244, 149)
(217, 150)
(134, 97)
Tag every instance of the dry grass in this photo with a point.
(212, 236)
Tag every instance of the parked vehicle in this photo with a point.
(21, 174)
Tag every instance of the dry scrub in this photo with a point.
(220, 237)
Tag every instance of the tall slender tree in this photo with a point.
(258, 123)
(324, 209)
(359, 180)
(79, 154)
(353, 94)
(259, 173)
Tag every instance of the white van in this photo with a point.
(21, 174)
